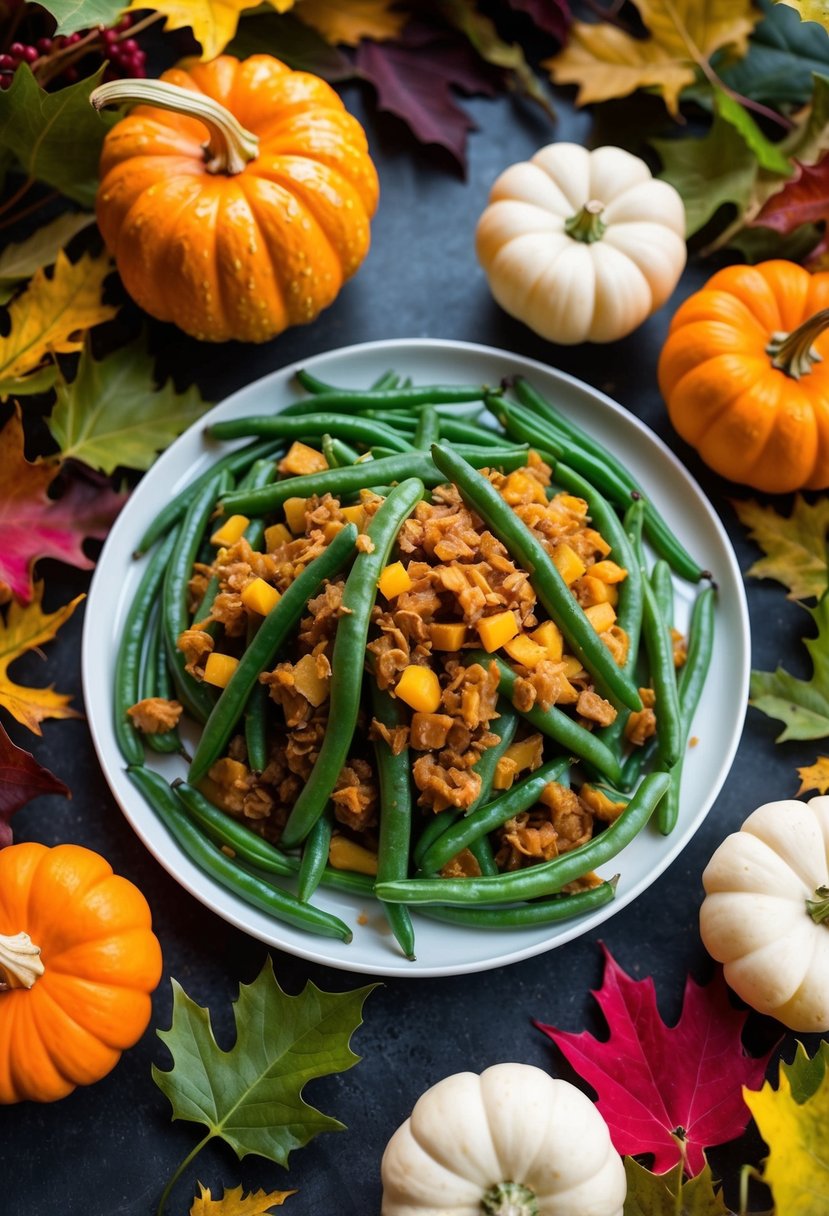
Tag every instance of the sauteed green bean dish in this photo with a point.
(429, 657)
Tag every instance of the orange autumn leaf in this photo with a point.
(27, 628)
(346, 22)
(234, 1203)
(213, 22)
(815, 776)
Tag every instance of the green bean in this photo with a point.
(393, 774)
(493, 815)
(481, 850)
(313, 384)
(278, 903)
(337, 452)
(638, 760)
(428, 429)
(255, 714)
(128, 661)
(264, 647)
(544, 878)
(543, 912)
(348, 658)
(315, 855)
(155, 682)
(340, 425)
(353, 400)
(663, 590)
(663, 674)
(479, 457)
(548, 584)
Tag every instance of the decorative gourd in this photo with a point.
(78, 961)
(237, 201)
(743, 380)
(582, 246)
(766, 912)
(510, 1142)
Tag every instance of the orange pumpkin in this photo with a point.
(238, 201)
(742, 375)
(78, 961)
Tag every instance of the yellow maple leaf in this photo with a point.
(797, 1167)
(26, 628)
(51, 315)
(795, 546)
(347, 21)
(810, 10)
(815, 776)
(606, 62)
(213, 22)
(234, 1203)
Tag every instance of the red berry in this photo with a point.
(72, 39)
(44, 45)
(139, 73)
(108, 37)
(16, 50)
(125, 23)
(7, 63)
(130, 46)
(30, 54)
(5, 81)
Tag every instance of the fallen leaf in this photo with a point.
(670, 1194)
(805, 1073)
(814, 776)
(804, 200)
(295, 43)
(508, 57)
(19, 262)
(783, 53)
(213, 22)
(795, 545)
(803, 705)
(709, 172)
(606, 62)
(348, 22)
(768, 154)
(761, 244)
(50, 316)
(797, 1167)
(810, 10)
(234, 1203)
(73, 15)
(657, 1084)
(550, 16)
(21, 780)
(113, 413)
(33, 525)
(27, 628)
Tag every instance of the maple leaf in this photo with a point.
(814, 776)
(234, 1203)
(708, 172)
(810, 10)
(671, 1194)
(793, 1124)
(804, 200)
(295, 43)
(22, 778)
(348, 22)
(113, 413)
(33, 525)
(213, 22)
(803, 705)
(606, 62)
(795, 545)
(27, 628)
(73, 15)
(552, 18)
(19, 262)
(49, 317)
(783, 54)
(670, 1091)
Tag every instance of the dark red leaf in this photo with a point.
(803, 200)
(551, 16)
(653, 1080)
(21, 779)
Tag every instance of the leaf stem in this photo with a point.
(17, 195)
(162, 1203)
(35, 206)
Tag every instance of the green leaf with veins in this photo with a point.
(806, 1074)
(768, 154)
(795, 545)
(669, 1195)
(113, 413)
(803, 705)
(783, 52)
(19, 262)
(73, 15)
(720, 168)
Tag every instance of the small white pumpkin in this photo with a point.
(582, 246)
(510, 1142)
(766, 912)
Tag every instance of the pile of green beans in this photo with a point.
(401, 440)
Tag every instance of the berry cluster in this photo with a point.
(125, 57)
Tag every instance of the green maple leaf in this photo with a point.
(19, 262)
(55, 137)
(669, 1195)
(795, 545)
(113, 414)
(803, 705)
(251, 1095)
(806, 1074)
(767, 153)
(709, 172)
(72, 15)
(783, 52)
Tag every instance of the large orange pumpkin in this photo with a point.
(745, 375)
(78, 961)
(238, 201)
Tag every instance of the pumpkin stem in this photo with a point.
(818, 908)
(587, 225)
(793, 353)
(20, 962)
(229, 148)
(509, 1199)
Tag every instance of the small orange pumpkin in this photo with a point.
(237, 202)
(745, 375)
(78, 961)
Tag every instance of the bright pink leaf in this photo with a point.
(551, 16)
(21, 779)
(33, 525)
(803, 200)
(653, 1080)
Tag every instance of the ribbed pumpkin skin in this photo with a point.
(247, 255)
(748, 420)
(101, 963)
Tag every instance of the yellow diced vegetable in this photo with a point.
(294, 509)
(576, 506)
(309, 683)
(567, 562)
(302, 459)
(526, 753)
(571, 666)
(505, 771)
(608, 572)
(331, 528)
(524, 650)
(594, 591)
(601, 616)
(259, 596)
(276, 536)
(219, 668)
(549, 636)
(450, 636)
(495, 630)
(345, 854)
(230, 531)
(519, 487)
(355, 515)
(394, 581)
(419, 687)
(567, 694)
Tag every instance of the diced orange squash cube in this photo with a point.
(594, 591)
(394, 581)
(277, 535)
(495, 630)
(308, 682)
(567, 562)
(526, 753)
(345, 854)
(302, 459)
(219, 668)
(571, 666)
(519, 487)
(226, 771)
(294, 509)
(601, 616)
(524, 650)
(608, 572)
(567, 694)
(450, 636)
(355, 515)
(505, 771)
(419, 687)
(259, 596)
(331, 528)
(230, 531)
(549, 636)
(576, 506)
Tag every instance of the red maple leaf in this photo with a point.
(670, 1091)
(21, 779)
(803, 200)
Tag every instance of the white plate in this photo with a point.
(441, 949)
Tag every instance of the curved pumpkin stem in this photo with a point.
(20, 962)
(793, 353)
(230, 146)
(509, 1199)
(818, 908)
(587, 225)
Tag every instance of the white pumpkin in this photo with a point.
(582, 246)
(510, 1142)
(766, 912)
